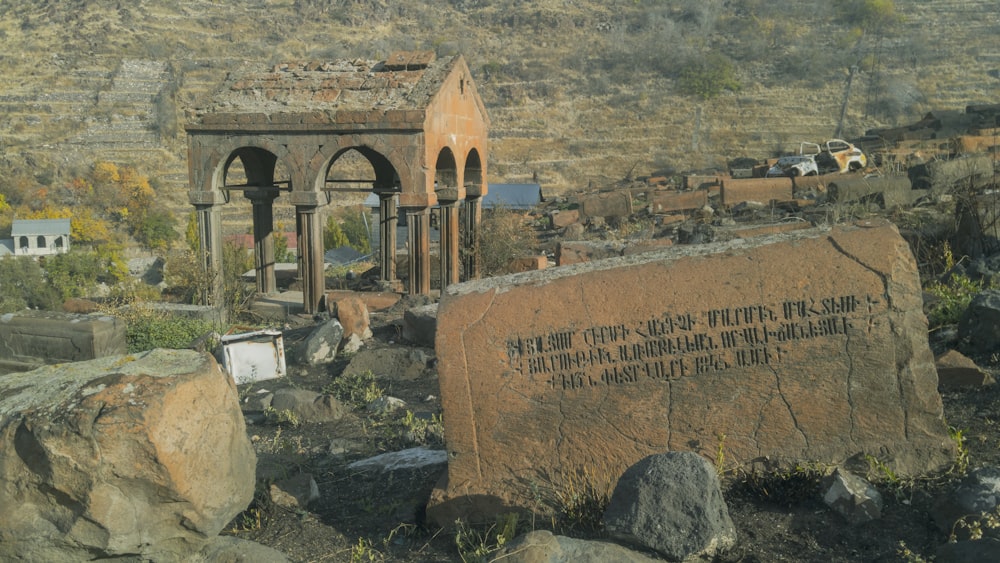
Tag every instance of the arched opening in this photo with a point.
(40, 243)
(473, 174)
(270, 237)
(447, 223)
(445, 171)
(471, 215)
(361, 226)
(22, 243)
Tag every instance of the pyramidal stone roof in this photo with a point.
(404, 82)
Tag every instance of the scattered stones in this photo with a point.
(542, 546)
(575, 252)
(671, 503)
(852, 497)
(144, 455)
(956, 370)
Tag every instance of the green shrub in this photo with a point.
(954, 297)
(147, 329)
(707, 77)
(23, 285)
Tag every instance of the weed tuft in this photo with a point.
(476, 544)
(355, 389)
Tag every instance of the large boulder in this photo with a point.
(143, 455)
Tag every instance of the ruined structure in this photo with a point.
(416, 119)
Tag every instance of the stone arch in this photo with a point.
(445, 171)
(472, 174)
(386, 178)
(258, 156)
(472, 213)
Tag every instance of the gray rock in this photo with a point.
(393, 363)
(986, 550)
(385, 404)
(543, 547)
(320, 347)
(413, 458)
(671, 503)
(420, 324)
(227, 549)
(979, 327)
(307, 406)
(295, 492)
(852, 497)
(143, 455)
(976, 493)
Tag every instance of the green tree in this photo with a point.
(191, 235)
(707, 77)
(333, 234)
(355, 228)
(871, 15)
(156, 230)
(23, 285)
(73, 274)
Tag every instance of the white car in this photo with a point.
(836, 155)
(796, 165)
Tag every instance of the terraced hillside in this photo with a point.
(581, 93)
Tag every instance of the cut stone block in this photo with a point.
(803, 346)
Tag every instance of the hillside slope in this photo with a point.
(579, 92)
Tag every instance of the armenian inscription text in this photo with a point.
(674, 345)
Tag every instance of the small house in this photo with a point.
(40, 237)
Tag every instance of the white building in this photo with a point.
(39, 237)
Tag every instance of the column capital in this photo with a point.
(213, 197)
(313, 199)
(261, 195)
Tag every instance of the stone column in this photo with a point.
(473, 216)
(418, 222)
(388, 221)
(310, 232)
(450, 265)
(208, 210)
(263, 239)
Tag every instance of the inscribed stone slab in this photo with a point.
(804, 346)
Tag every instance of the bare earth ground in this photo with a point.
(378, 516)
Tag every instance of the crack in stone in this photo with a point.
(850, 384)
(468, 386)
(791, 413)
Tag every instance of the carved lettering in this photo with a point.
(674, 345)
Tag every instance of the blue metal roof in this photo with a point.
(512, 196)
